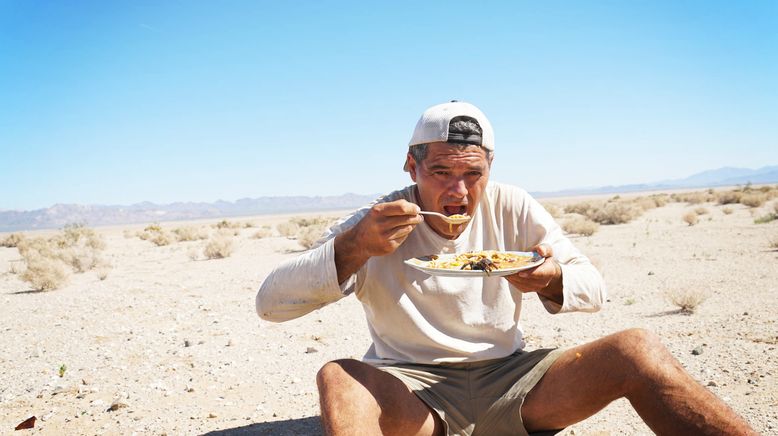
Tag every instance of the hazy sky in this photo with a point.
(116, 102)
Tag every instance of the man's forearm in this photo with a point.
(349, 255)
(553, 291)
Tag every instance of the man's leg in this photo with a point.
(635, 365)
(358, 399)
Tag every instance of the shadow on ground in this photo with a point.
(291, 427)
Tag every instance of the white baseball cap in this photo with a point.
(433, 126)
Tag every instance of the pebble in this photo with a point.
(310, 350)
(697, 351)
(116, 405)
(187, 343)
(712, 383)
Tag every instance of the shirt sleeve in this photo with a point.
(583, 288)
(300, 285)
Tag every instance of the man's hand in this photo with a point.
(545, 279)
(381, 231)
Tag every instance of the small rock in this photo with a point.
(212, 415)
(229, 342)
(116, 405)
(650, 273)
(310, 350)
(712, 383)
(697, 351)
(187, 343)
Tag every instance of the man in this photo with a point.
(448, 352)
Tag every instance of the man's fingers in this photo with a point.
(544, 250)
(396, 208)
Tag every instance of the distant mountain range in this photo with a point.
(96, 215)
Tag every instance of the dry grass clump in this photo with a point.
(614, 211)
(687, 300)
(581, 226)
(77, 247)
(764, 219)
(190, 233)
(693, 197)
(225, 224)
(44, 273)
(288, 229)
(12, 240)
(774, 242)
(729, 197)
(263, 232)
(652, 201)
(218, 247)
(753, 199)
(701, 211)
(155, 234)
(727, 210)
(309, 236)
(690, 218)
(553, 209)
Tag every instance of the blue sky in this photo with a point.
(117, 102)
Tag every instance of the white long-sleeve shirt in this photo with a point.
(416, 317)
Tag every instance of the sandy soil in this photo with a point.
(177, 344)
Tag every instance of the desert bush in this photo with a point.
(44, 273)
(727, 210)
(700, 211)
(584, 208)
(774, 242)
(288, 229)
(615, 213)
(693, 197)
(687, 300)
(13, 268)
(225, 224)
(12, 240)
(76, 246)
(729, 197)
(553, 209)
(647, 203)
(156, 235)
(764, 219)
(753, 200)
(581, 226)
(190, 233)
(218, 247)
(263, 232)
(690, 218)
(309, 236)
(775, 207)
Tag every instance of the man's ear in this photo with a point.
(411, 164)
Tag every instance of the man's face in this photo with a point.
(450, 181)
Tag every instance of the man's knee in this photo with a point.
(641, 354)
(337, 372)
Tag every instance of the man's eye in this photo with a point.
(440, 173)
(474, 174)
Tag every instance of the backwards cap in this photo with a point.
(433, 126)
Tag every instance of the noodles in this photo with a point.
(467, 261)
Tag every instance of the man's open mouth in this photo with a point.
(455, 210)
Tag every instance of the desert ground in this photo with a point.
(163, 340)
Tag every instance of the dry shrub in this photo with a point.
(218, 247)
(102, 271)
(581, 226)
(583, 208)
(44, 273)
(156, 235)
(774, 242)
(288, 229)
(700, 211)
(690, 218)
(753, 200)
(650, 202)
(686, 300)
(727, 210)
(77, 246)
(13, 268)
(729, 197)
(12, 240)
(309, 236)
(225, 224)
(615, 213)
(553, 209)
(190, 233)
(764, 219)
(263, 232)
(693, 197)
(775, 207)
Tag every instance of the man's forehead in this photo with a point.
(442, 152)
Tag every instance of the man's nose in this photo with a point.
(458, 188)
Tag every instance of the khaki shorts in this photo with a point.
(478, 398)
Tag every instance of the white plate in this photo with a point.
(421, 264)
